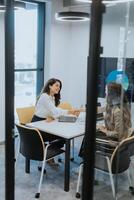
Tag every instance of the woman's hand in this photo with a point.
(49, 119)
(74, 112)
(102, 128)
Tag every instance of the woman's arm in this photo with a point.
(118, 123)
(53, 110)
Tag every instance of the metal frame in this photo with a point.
(97, 9)
(40, 46)
(9, 93)
(9, 100)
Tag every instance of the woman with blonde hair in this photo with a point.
(117, 115)
(117, 119)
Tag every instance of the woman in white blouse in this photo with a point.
(46, 108)
(48, 100)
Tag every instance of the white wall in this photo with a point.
(2, 79)
(68, 57)
(69, 49)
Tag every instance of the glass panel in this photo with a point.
(2, 105)
(26, 37)
(25, 88)
(116, 98)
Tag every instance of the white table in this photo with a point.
(63, 130)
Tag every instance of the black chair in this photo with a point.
(32, 147)
(112, 158)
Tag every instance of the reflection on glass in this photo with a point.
(114, 159)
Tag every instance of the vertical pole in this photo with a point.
(97, 8)
(40, 47)
(9, 100)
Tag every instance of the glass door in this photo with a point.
(29, 63)
(25, 55)
(29, 68)
(113, 155)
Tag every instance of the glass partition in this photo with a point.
(26, 22)
(67, 57)
(114, 157)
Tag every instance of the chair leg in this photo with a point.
(78, 182)
(37, 195)
(129, 178)
(131, 188)
(111, 177)
(17, 152)
(27, 166)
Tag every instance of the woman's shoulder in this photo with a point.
(116, 109)
(44, 96)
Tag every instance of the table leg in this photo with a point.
(27, 165)
(72, 148)
(67, 166)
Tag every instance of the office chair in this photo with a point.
(33, 147)
(25, 114)
(112, 159)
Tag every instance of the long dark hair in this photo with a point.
(46, 89)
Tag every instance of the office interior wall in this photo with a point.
(69, 49)
(64, 56)
(2, 79)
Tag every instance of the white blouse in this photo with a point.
(45, 107)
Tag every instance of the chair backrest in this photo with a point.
(120, 159)
(65, 105)
(31, 143)
(119, 155)
(25, 114)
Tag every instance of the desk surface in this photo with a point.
(62, 129)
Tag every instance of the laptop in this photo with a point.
(67, 118)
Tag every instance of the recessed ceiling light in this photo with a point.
(72, 16)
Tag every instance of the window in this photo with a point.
(28, 40)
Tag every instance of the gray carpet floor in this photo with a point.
(53, 182)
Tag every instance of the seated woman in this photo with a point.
(46, 106)
(48, 100)
(117, 115)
